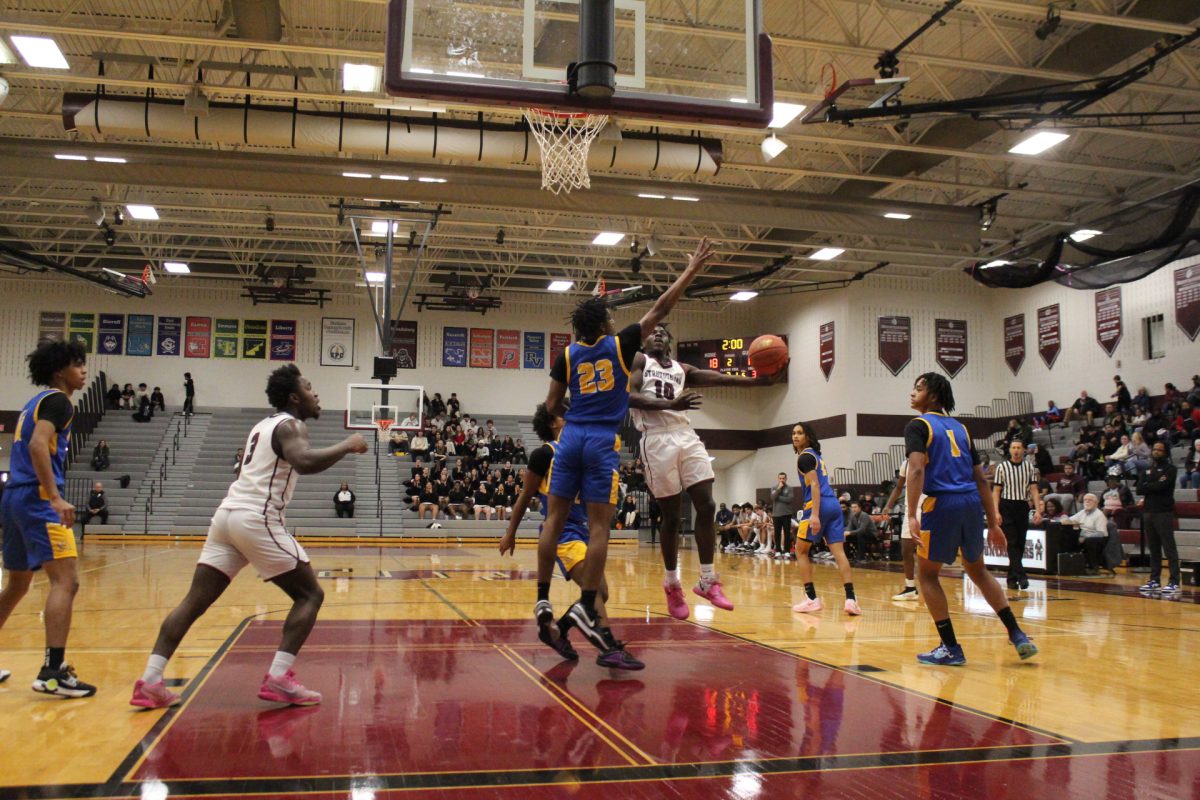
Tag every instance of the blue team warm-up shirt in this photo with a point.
(588, 453)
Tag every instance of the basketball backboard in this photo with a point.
(704, 62)
(368, 403)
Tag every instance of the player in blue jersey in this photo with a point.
(37, 518)
(572, 550)
(595, 371)
(943, 464)
(820, 518)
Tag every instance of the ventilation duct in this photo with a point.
(397, 136)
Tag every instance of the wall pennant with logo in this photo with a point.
(139, 340)
(895, 342)
(52, 326)
(1014, 342)
(337, 342)
(826, 354)
(82, 329)
(197, 341)
(1109, 329)
(483, 343)
(111, 339)
(283, 340)
(950, 345)
(454, 347)
(254, 339)
(225, 338)
(558, 343)
(404, 343)
(1049, 331)
(1187, 300)
(534, 345)
(170, 336)
(508, 349)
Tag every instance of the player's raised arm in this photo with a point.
(292, 445)
(667, 300)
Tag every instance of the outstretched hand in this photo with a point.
(775, 377)
(686, 401)
(704, 251)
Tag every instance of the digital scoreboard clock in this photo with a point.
(728, 356)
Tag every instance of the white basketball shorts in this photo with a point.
(237, 537)
(905, 533)
(675, 460)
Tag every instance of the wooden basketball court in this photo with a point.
(435, 686)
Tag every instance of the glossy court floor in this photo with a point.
(436, 688)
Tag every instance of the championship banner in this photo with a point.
(534, 346)
(1014, 342)
(254, 339)
(482, 347)
(894, 336)
(283, 340)
(111, 338)
(950, 345)
(170, 336)
(225, 338)
(826, 352)
(404, 343)
(558, 343)
(139, 340)
(454, 347)
(1109, 329)
(82, 328)
(197, 333)
(52, 326)
(337, 342)
(508, 349)
(1187, 300)
(1049, 327)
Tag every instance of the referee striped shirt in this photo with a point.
(1014, 479)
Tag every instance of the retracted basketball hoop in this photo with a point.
(564, 139)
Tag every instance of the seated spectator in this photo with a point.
(453, 406)
(97, 505)
(398, 442)
(1119, 456)
(439, 455)
(114, 396)
(1052, 511)
(144, 412)
(519, 454)
(437, 405)
(1093, 532)
(412, 491)
(343, 502)
(428, 502)
(1139, 456)
(484, 502)
(861, 530)
(1157, 426)
(1185, 424)
(1068, 489)
(409, 421)
(725, 526)
(627, 517)
(157, 400)
(1171, 397)
(1041, 459)
(1141, 401)
(482, 451)
(506, 497)
(419, 445)
(438, 423)
(1118, 501)
(1084, 408)
(1189, 477)
(100, 459)
(458, 500)
(1051, 415)
(127, 396)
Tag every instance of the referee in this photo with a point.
(1015, 482)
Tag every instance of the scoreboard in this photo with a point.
(728, 356)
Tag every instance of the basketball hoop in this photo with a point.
(384, 424)
(565, 139)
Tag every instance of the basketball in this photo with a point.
(768, 354)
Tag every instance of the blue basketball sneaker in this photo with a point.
(1025, 647)
(943, 656)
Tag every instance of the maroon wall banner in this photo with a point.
(1049, 325)
(895, 342)
(508, 349)
(1187, 300)
(197, 341)
(404, 343)
(482, 341)
(558, 343)
(950, 344)
(1014, 342)
(827, 352)
(1108, 319)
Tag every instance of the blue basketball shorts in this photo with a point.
(33, 533)
(585, 463)
(951, 523)
(833, 531)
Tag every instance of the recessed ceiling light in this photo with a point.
(177, 267)
(773, 146)
(560, 286)
(784, 114)
(141, 211)
(38, 51)
(608, 238)
(897, 215)
(1039, 142)
(432, 180)
(827, 253)
(356, 174)
(741, 297)
(685, 198)
(379, 227)
(375, 277)
(360, 77)
(1084, 235)
(999, 262)
(69, 157)
(393, 177)
(650, 196)
(111, 160)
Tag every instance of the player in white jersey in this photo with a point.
(908, 545)
(676, 460)
(249, 528)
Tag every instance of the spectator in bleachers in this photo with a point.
(100, 458)
(725, 526)
(628, 515)
(861, 530)
(1118, 501)
(1141, 401)
(127, 395)
(453, 406)
(506, 497)
(1157, 426)
(1118, 457)
(1190, 479)
(157, 400)
(1185, 424)
(483, 451)
(412, 491)
(343, 501)
(484, 502)
(438, 423)
(427, 502)
(439, 455)
(410, 421)
(1112, 417)
(419, 470)
(1084, 408)
(1093, 532)
(114, 396)
(1051, 415)
(469, 427)
(144, 411)
(1068, 490)
(1052, 511)
(398, 442)
(1171, 397)
(419, 445)
(1121, 395)
(437, 405)
(458, 499)
(508, 448)
(97, 505)
(519, 454)
(1041, 459)
(1157, 488)
(1139, 456)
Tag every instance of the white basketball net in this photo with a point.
(565, 140)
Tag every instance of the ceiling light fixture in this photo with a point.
(773, 146)
(360, 77)
(432, 180)
(69, 157)
(379, 227)
(827, 253)
(1049, 25)
(608, 238)
(560, 286)
(741, 297)
(685, 198)
(39, 51)
(1084, 235)
(111, 160)
(1038, 143)
(393, 177)
(651, 196)
(375, 277)
(897, 215)
(176, 267)
(138, 211)
(784, 113)
(356, 174)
